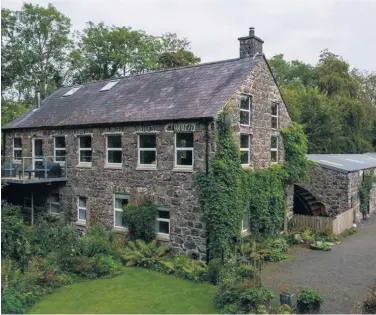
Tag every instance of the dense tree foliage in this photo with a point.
(335, 104)
(40, 51)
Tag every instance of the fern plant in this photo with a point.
(140, 253)
(184, 267)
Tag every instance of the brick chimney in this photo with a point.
(250, 45)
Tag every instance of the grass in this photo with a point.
(136, 291)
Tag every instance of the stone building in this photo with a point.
(88, 150)
(333, 188)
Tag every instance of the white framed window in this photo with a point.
(245, 110)
(184, 154)
(120, 200)
(114, 149)
(81, 208)
(17, 149)
(163, 221)
(244, 149)
(275, 115)
(274, 149)
(245, 221)
(85, 152)
(147, 150)
(54, 201)
(59, 149)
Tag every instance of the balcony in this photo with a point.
(33, 170)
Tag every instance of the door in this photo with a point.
(37, 154)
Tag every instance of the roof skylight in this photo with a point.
(109, 86)
(72, 91)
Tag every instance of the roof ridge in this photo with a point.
(155, 72)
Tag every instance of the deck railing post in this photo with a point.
(45, 166)
(23, 168)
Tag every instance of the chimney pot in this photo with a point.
(251, 31)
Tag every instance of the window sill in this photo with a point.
(113, 166)
(247, 167)
(81, 222)
(119, 229)
(146, 168)
(183, 169)
(163, 237)
(83, 165)
(245, 233)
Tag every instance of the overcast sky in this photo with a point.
(299, 29)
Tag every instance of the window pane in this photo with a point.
(245, 102)
(59, 142)
(244, 157)
(114, 156)
(244, 117)
(120, 203)
(148, 141)
(85, 156)
(119, 218)
(275, 109)
(273, 142)
(244, 141)
(184, 158)
(163, 214)
(274, 156)
(163, 227)
(114, 141)
(17, 154)
(54, 209)
(17, 143)
(38, 147)
(274, 122)
(82, 214)
(85, 142)
(184, 140)
(82, 202)
(148, 157)
(54, 198)
(60, 155)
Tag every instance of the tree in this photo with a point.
(35, 42)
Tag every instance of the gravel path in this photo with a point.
(342, 276)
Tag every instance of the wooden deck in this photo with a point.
(33, 180)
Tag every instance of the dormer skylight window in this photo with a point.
(109, 86)
(72, 91)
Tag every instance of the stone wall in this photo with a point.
(166, 186)
(329, 187)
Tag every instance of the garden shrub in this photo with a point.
(369, 305)
(252, 298)
(184, 267)
(12, 302)
(276, 248)
(105, 265)
(140, 220)
(139, 253)
(14, 235)
(309, 301)
(97, 240)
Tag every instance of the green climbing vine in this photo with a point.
(365, 192)
(228, 190)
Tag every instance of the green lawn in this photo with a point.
(136, 291)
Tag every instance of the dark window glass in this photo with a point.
(274, 156)
(274, 109)
(114, 141)
(245, 102)
(163, 227)
(147, 157)
(274, 122)
(17, 154)
(162, 214)
(114, 156)
(38, 147)
(184, 140)
(60, 155)
(244, 157)
(273, 142)
(244, 141)
(244, 118)
(85, 142)
(184, 158)
(59, 142)
(148, 141)
(85, 156)
(17, 142)
(246, 220)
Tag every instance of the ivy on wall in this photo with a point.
(227, 190)
(365, 192)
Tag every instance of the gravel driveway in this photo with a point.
(343, 276)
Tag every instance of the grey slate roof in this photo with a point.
(183, 93)
(345, 163)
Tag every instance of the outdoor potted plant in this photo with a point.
(285, 296)
(309, 302)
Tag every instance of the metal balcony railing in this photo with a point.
(34, 169)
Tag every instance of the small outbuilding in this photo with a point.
(330, 198)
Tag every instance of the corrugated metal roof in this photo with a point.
(345, 163)
(183, 93)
